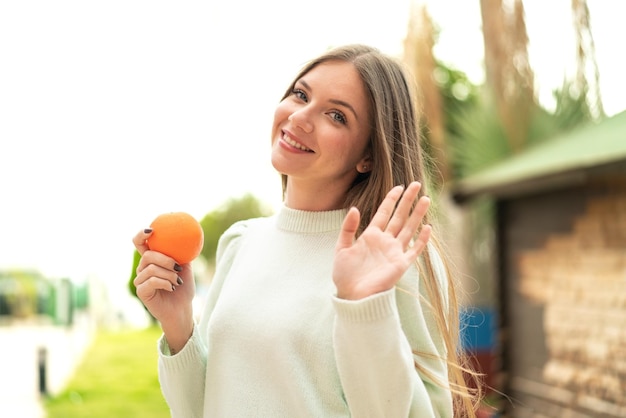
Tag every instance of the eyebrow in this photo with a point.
(334, 101)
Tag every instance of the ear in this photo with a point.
(364, 165)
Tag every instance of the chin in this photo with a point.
(277, 164)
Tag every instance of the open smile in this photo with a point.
(295, 144)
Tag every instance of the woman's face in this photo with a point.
(321, 130)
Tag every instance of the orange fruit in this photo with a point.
(177, 235)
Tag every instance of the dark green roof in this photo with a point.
(563, 159)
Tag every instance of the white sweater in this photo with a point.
(275, 342)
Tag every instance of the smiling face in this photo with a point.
(320, 135)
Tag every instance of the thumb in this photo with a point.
(139, 240)
(348, 229)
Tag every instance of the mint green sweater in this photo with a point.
(273, 340)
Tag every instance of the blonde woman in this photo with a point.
(339, 305)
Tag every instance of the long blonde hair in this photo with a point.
(397, 159)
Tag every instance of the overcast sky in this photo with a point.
(113, 112)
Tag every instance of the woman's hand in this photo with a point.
(384, 251)
(167, 290)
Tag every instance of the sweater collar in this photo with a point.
(302, 221)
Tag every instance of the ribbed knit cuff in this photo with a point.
(189, 353)
(369, 309)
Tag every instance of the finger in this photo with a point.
(153, 270)
(411, 226)
(159, 259)
(348, 229)
(399, 218)
(420, 242)
(148, 289)
(139, 240)
(386, 208)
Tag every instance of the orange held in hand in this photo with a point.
(177, 235)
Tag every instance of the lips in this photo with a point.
(295, 144)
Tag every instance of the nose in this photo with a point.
(301, 119)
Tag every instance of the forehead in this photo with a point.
(339, 80)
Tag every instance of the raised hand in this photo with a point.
(379, 257)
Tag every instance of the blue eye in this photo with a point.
(299, 94)
(338, 117)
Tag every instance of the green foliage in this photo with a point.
(131, 285)
(23, 293)
(117, 378)
(133, 273)
(572, 107)
(459, 96)
(457, 91)
(235, 209)
(477, 139)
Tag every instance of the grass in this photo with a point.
(117, 378)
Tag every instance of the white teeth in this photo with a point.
(295, 144)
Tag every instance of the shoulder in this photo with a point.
(231, 239)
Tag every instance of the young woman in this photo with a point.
(340, 304)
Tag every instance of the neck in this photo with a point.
(313, 197)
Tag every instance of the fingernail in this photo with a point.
(177, 267)
(173, 288)
(147, 230)
(179, 280)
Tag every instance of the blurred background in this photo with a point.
(114, 112)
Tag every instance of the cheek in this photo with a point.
(341, 150)
(352, 150)
(281, 113)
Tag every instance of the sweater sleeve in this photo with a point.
(182, 376)
(375, 341)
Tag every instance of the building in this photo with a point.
(561, 272)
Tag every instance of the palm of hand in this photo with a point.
(375, 261)
(373, 264)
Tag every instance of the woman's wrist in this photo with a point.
(177, 335)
